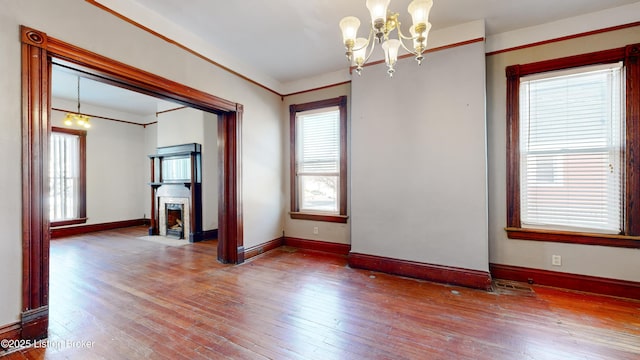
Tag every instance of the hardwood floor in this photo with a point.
(135, 299)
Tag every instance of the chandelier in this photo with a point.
(78, 118)
(383, 23)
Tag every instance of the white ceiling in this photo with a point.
(289, 40)
(293, 39)
(64, 85)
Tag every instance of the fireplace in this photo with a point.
(175, 221)
(176, 192)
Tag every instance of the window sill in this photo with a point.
(68, 222)
(574, 237)
(319, 217)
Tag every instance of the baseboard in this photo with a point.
(262, 248)
(10, 331)
(35, 323)
(437, 273)
(83, 229)
(335, 248)
(210, 234)
(586, 283)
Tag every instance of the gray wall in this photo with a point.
(327, 231)
(609, 262)
(418, 161)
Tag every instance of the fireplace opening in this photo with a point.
(175, 220)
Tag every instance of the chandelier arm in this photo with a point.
(373, 46)
(401, 35)
(78, 95)
(406, 48)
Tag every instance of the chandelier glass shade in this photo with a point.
(383, 25)
(77, 118)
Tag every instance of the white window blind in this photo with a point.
(64, 176)
(571, 137)
(318, 159)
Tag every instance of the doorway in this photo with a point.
(38, 53)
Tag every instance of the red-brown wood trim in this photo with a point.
(632, 201)
(341, 102)
(563, 38)
(230, 201)
(592, 284)
(293, 197)
(262, 248)
(34, 323)
(630, 55)
(129, 77)
(170, 110)
(594, 58)
(183, 47)
(513, 146)
(317, 89)
(100, 117)
(324, 246)
(10, 332)
(319, 217)
(36, 77)
(83, 229)
(436, 49)
(632, 242)
(437, 273)
(68, 222)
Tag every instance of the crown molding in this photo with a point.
(568, 27)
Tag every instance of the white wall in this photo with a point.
(327, 231)
(117, 165)
(11, 179)
(418, 163)
(181, 126)
(110, 36)
(602, 261)
(210, 172)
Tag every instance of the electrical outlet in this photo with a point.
(556, 260)
(315, 230)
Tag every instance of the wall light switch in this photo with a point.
(556, 260)
(315, 230)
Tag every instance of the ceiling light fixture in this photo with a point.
(383, 23)
(78, 118)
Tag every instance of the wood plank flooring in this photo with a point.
(134, 299)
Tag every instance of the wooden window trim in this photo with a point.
(82, 204)
(630, 238)
(295, 213)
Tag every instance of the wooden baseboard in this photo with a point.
(83, 229)
(592, 284)
(437, 273)
(262, 248)
(210, 234)
(10, 332)
(335, 248)
(35, 323)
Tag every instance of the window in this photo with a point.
(67, 189)
(571, 149)
(318, 160)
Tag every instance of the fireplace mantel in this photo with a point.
(176, 173)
